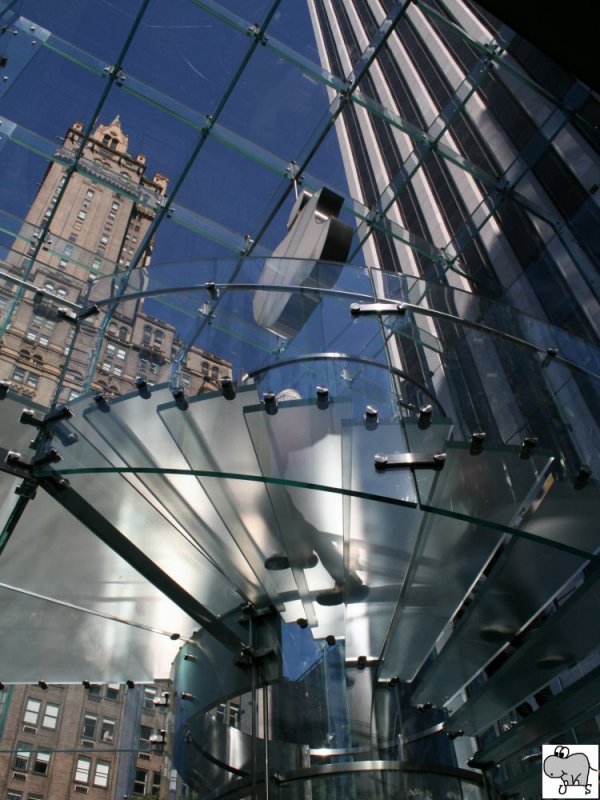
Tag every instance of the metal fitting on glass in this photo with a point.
(528, 446)
(101, 402)
(425, 416)
(322, 396)
(476, 442)
(270, 401)
(582, 477)
(551, 353)
(371, 417)
(141, 384)
(180, 398)
(227, 388)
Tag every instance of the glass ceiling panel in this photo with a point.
(195, 76)
(101, 28)
(280, 117)
(228, 188)
(52, 93)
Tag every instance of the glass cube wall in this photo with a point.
(349, 507)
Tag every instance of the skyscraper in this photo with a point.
(481, 158)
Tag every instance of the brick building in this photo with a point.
(69, 741)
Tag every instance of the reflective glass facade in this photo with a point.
(349, 507)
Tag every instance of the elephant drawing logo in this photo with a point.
(570, 774)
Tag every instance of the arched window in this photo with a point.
(214, 373)
(123, 333)
(158, 337)
(147, 334)
(204, 368)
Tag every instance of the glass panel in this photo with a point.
(560, 713)
(563, 639)
(456, 545)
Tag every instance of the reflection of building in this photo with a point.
(97, 225)
(65, 741)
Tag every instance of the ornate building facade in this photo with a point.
(95, 231)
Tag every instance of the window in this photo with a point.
(32, 380)
(150, 693)
(82, 772)
(214, 373)
(22, 756)
(49, 287)
(68, 251)
(115, 206)
(18, 375)
(95, 690)
(104, 239)
(118, 371)
(96, 263)
(41, 762)
(123, 333)
(147, 334)
(13, 795)
(112, 691)
(61, 292)
(31, 335)
(32, 711)
(110, 348)
(140, 781)
(145, 734)
(89, 726)
(158, 338)
(50, 718)
(121, 353)
(102, 773)
(82, 215)
(107, 732)
(89, 193)
(204, 368)
(155, 784)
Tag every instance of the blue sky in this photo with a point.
(181, 51)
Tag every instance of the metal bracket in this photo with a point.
(433, 461)
(365, 309)
(28, 416)
(14, 464)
